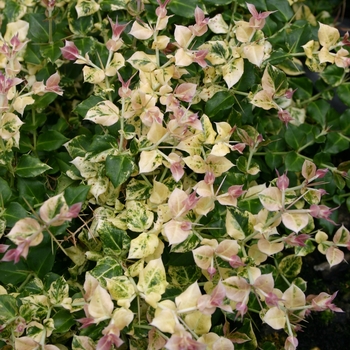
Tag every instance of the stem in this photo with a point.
(24, 283)
(121, 141)
(150, 148)
(50, 27)
(316, 97)
(145, 178)
(296, 54)
(55, 239)
(234, 10)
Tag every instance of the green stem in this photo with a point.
(121, 141)
(24, 283)
(296, 54)
(317, 96)
(50, 27)
(232, 21)
(150, 148)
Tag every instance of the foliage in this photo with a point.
(165, 167)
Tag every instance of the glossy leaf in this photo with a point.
(336, 143)
(63, 321)
(13, 273)
(29, 166)
(47, 255)
(343, 92)
(50, 141)
(318, 111)
(119, 168)
(8, 307)
(183, 8)
(114, 240)
(107, 267)
(5, 192)
(219, 102)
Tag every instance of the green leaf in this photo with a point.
(76, 194)
(14, 10)
(237, 223)
(43, 101)
(47, 253)
(113, 5)
(284, 11)
(84, 106)
(50, 141)
(31, 190)
(191, 242)
(39, 27)
(183, 276)
(14, 212)
(183, 8)
(335, 143)
(318, 111)
(290, 266)
(63, 321)
(32, 54)
(8, 307)
(343, 92)
(333, 75)
(78, 146)
(114, 241)
(5, 192)
(295, 137)
(12, 273)
(278, 78)
(107, 267)
(344, 121)
(119, 168)
(294, 161)
(339, 181)
(51, 51)
(29, 166)
(274, 161)
(303, 87)
(58, 291)
(138, 190)
(79, 26)
(348, 203)
(247, 329)
(222, 100)
(33, 122)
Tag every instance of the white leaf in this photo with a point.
(254, 53)
(149, 161)
(188, 298)
(275, 318)
(295, 222)
(101, 305)
(294, 297)
(327, 35)
(217, 24)
(141, 32)
(105, 113)
(141, 61)
(232, 72)
(269, 248)
(271, 199)
(334, 256)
